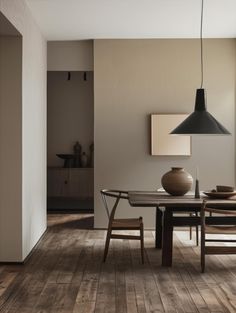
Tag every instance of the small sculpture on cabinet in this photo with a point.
(77, 154)
(91, 158)
(84, 160)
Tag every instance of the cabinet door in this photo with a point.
(81, 183)
(58, 182)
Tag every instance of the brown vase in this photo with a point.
(177, 182)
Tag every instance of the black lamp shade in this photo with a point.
(200, 121)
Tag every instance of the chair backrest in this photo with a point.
(117, 195)
(206, 208)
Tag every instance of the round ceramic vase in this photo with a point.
(177, 182)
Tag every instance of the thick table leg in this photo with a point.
(167, 245)
(158, 228)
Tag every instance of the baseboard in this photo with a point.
(69, 211)
(30, 253)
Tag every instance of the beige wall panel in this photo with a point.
(70, 55)
(34, 116)
(10, 148)
(134, 78)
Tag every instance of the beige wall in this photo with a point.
(70, 113)
(134, 78)
(33, 134)
(10, 148)
(70, 55)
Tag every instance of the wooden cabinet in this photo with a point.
(70, 182)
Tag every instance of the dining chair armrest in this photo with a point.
(114, 193)
(218, 211)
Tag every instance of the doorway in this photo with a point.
(70, 148)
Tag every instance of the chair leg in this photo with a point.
(203, 248)
(191, 233)
(190, 229)
(197, 231)
(107, 244)
(142, 241)
(197, 235)
(202, 260)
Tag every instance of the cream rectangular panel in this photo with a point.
(162, 142)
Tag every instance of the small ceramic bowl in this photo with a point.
(224, 189)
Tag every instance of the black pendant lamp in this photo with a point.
(200, 122)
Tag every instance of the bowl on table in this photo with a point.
(219, 194)
(220, 188)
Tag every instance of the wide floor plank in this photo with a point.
(65, 274)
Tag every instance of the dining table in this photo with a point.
(166, 218)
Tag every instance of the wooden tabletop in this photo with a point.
(154, 199)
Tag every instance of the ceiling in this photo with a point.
(91, 19)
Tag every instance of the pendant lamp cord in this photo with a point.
(201, 40)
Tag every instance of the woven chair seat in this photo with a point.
(129, 223)
(220, 230)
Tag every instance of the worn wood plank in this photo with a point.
(203, 282)
(65, 274)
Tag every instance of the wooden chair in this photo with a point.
(120, 224)
(225, 224)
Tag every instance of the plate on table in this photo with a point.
(220, 195)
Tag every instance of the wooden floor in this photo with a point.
(65, 275)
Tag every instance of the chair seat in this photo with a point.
(220, 250)
(230, 230)
(127, 223)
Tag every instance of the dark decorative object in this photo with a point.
(200, 121)
(85, 76)
(78, 159)
(197, 192)
(220, 188)
(219, 195)
(84, 160)
(177, 182)
(91, 157)
(68, 159)
(69, 76)
(77, 154)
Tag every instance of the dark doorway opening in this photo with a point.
(70, 174)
